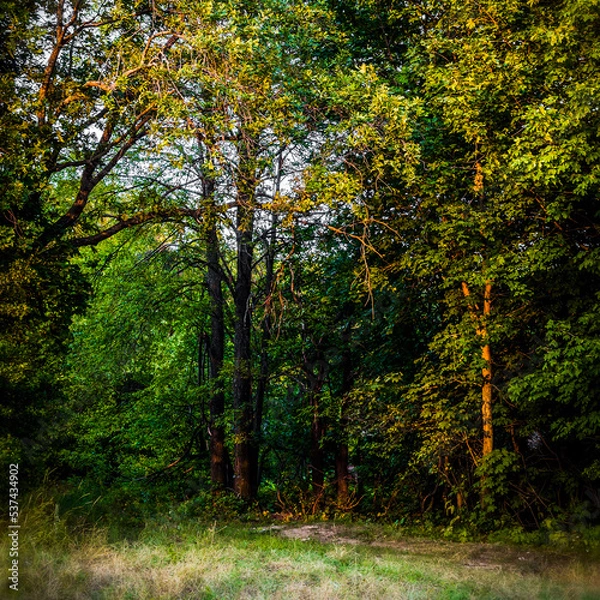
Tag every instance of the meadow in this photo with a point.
(181, 559)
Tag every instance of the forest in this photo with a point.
(306, 258)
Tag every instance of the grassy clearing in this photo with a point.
(188, 560)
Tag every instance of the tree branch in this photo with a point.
(138, 219)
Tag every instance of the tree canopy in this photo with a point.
(325, 256)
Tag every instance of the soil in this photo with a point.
(467, 554)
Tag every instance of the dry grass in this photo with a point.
(192, 561)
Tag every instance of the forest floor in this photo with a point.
(321, 561)
(468, 554)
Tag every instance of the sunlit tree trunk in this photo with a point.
(486, 372)
(486, 392)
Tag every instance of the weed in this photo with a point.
(188, 559)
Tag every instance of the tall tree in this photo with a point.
(500, 209)
(246, 100)
(57, 58)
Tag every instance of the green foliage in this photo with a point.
(136, 376)
(499, 199)
(417, 183)
(566, 374)
(209, 507)
(39, 294)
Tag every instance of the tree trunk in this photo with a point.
(261, 385)
(242, 376)
(486, 371)
(317, 429)
(216, 352)
(341, 474)
(341, 459)
(486, 392)
(317, 432)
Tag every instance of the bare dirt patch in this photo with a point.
(321, 533)
(471, 555)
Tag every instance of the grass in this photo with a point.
(189, 560)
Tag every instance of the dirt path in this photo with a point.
(473, 555)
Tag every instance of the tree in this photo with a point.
(496, 215)
(246, 101)
(73, 106)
